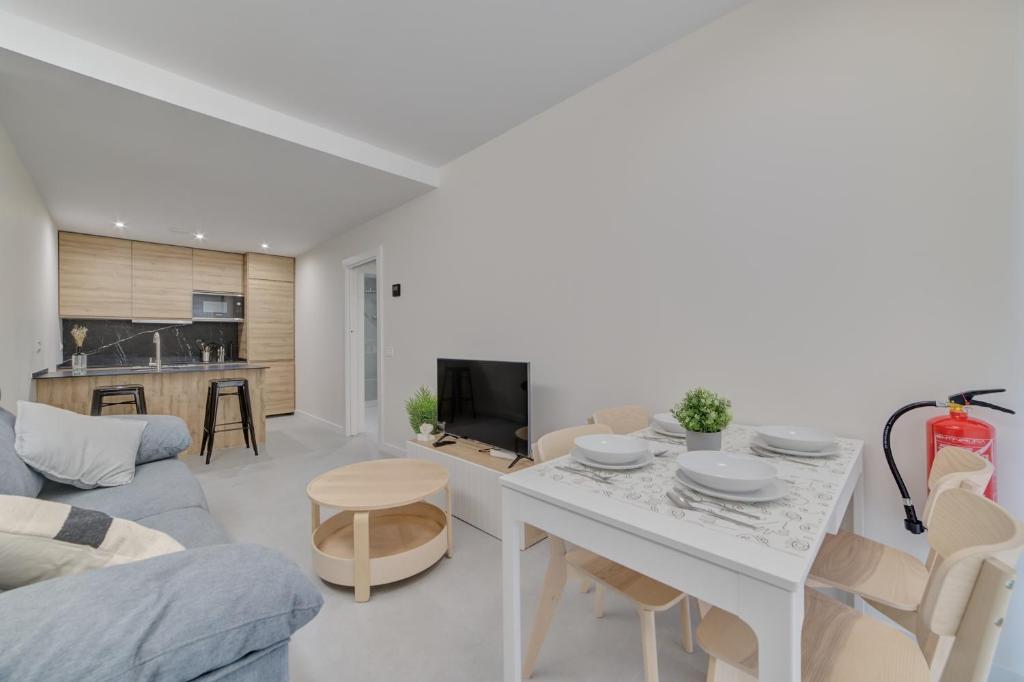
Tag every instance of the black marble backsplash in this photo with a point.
(123, 343)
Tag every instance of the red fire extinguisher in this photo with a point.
(956, 428)
(961, 430)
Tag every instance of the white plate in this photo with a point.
(729, 472)
(578, 456)
(798, 438)
(678, 436)
(610, 448)
(664, 422)
(757, 444)
(775, 490)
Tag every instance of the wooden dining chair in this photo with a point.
(976, 545)
(648, 595)
(623, 419)
(889, 579)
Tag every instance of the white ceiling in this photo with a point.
(99, 153)
(426, 79)
(253, 120)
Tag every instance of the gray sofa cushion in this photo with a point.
(174, 617)
(165, 436)
(158, 487)
(192, 527)
(16, 478)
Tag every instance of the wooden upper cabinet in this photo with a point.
(218, 271)
(264, 266)
(270, 320)
(95, 276)
(161, 281)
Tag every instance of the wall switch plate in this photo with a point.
(396, 290)
(389, 351)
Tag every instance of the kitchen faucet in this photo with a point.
(159, 359)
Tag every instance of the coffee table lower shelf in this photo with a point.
(401, 542)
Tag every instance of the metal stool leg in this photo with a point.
(243, 415)
(206, 423)
(97, 404)
(140, 400)
(247, 425)
(215, 396)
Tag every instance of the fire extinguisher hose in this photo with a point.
(912, 523)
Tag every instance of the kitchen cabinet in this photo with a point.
(161, 281)
(270, 320)
(218, 271)
(268, 335)
(264, 266)
(95, 276)
(279, 387)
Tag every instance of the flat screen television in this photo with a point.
(486, 401)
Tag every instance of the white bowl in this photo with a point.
(666, 422)
(608, 448)
(802, 438)
(729, 472)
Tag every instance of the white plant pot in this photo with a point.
(426, 432)
(696, 440)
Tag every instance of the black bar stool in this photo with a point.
(135, 392)
(213, 396)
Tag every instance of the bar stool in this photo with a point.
(136, 393)
(245, 425)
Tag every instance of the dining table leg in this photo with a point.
(776, 616)
(511, 593)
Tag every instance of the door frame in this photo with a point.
(355, 396)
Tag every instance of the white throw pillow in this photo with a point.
(71, 448)
(40, 540)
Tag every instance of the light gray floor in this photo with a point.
(443, 625)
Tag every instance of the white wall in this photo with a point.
(807, 206)
(29, 332)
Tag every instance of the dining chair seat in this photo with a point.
(644, 591)
(838, 645)
(877, 572)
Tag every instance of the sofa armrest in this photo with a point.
(173, 617)
(165, 436)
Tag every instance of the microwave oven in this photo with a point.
(208, 306)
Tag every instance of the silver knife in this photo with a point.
(680, 502)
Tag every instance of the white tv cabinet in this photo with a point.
(473, 477)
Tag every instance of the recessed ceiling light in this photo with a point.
(200, 236)
(119, 224)
(264, 245)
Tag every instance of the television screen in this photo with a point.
(486, 401)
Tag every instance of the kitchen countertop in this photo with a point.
(66, 373)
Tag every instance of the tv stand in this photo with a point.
(474, 479)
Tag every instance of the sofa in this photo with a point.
(216, 611)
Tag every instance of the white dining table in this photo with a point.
(757, 574)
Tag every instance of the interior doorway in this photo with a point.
(362, 346)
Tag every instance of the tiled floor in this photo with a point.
(443, 625)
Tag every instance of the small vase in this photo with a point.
(79, 363)
(425, 431)
(696, 440)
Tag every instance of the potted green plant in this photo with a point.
(703, 414)
(422, 411)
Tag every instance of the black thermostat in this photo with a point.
(396, 290)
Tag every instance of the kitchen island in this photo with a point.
(172, 389)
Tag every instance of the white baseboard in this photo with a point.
(1001, 674)
(339, 427)
(392, 450)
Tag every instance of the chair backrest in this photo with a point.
(967, 532)
(558, 443)
(623, 419)
(956, 468)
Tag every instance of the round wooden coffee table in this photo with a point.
(386, 531)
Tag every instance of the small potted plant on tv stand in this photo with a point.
(422, 411)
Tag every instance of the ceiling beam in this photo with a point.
(89, 59)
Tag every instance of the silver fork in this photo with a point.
(607, 480)
(680, 502)
(718, 505)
